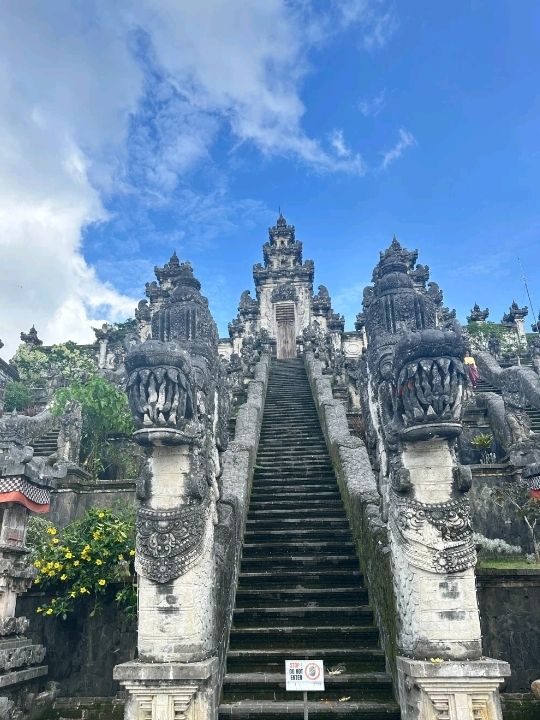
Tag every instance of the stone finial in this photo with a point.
(142, 312)
(104, 332)
(515, 313)
(478, 315)
(248, 306)
(420, 275)
(322, 304)
(360, 322)
(31, 338)
(281, 230)
(396, 259)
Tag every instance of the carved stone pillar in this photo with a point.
(24, 485)
(416, 385)
(176, 394)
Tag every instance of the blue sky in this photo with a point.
(135, 129)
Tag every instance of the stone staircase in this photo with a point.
(300, 592)
(533, 413)
(46, 444)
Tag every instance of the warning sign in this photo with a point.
(304, 674)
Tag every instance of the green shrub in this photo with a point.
(86, 562)
(17, 397)
(105, 411)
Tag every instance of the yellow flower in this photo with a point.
(83, 590)
(50, 565)
(68, 556)
(39, 609)
(86, 548)
(37, 580)
(132, 553)
(51, 573)
(63, 577)
(76, 563)
(55, 541)
(101, 515)
(49, 612)
(96, 535)
(99, 562)
(120, 557)
(52, 531)
(72, 594)
(101, 581)
(37, 563)
(57, 566)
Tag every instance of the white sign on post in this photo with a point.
(304, 675)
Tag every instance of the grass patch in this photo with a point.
(507, 563)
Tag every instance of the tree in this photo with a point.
(105, 411)
(527, 508)
(67, 362)
(17, 397)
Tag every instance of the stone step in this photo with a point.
(296, 637)
(299, 579)
(271, 686)
(356, 659)
(297, 493)
(297, 534)
(313, 597)
(298, 547)
(292, 710)
(308, 562)
(359, 615)
(292, 523)
(287, 476)
(282, 503)
(297, 513)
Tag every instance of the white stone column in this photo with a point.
(439, 608)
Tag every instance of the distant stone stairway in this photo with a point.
(300, 592)
(47, 444)
(533, 413)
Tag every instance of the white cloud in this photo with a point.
(406, 139)
(380, 28)
(101, 97)
(337, 141)
(371, 107)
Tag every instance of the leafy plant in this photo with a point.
(88, 561)
(67, 362)
(17, 397)
(482, 442)
(105, 411)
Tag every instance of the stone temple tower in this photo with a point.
(284, 307)
(284, 287)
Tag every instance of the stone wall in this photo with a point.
(82, 651)
(72, 499)
(359, 492)
(235, 487)
(509, 602)
(489, 518)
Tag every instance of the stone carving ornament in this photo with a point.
(169, 542)
(284, 292)
(161, 385)
(450, 522)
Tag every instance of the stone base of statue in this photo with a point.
(169, 691)
(466, 690)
